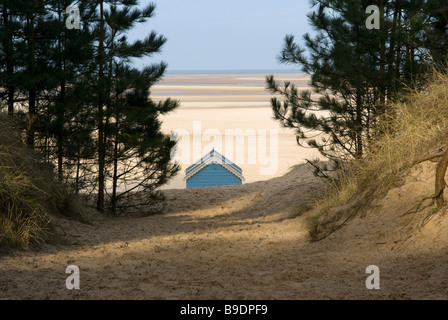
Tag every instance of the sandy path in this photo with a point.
(235, 243)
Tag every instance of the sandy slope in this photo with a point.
(235, 243)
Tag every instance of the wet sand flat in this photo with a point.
(222, 103)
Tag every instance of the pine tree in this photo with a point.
(119, 95)
(355, 72)
(341, 66)
(87, 110)
(139, 159)
(9, 27)
(72, 58)
(435, 26)
(33, 71)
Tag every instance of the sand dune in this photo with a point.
(236, 242)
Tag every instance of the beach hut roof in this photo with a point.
(213, 157)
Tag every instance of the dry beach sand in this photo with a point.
(236, 242)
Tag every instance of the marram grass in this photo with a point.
(29, 195)
(410, 130)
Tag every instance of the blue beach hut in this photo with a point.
(213, 169)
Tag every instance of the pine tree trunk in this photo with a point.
(393, 43)
(61, 107)
(11, 90)
(7, 44)
(32, 90)
(60, 122)
(358, 125)
(31, 118)
(382, 64)
(101, 146)
(398, 49)
(78, 166)
(115, 174)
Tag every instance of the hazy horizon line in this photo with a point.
(229, 71)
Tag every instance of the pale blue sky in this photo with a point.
(224, 34)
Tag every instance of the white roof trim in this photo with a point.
(216, 160)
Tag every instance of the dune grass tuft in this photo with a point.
(410, 131)
(29, 194)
